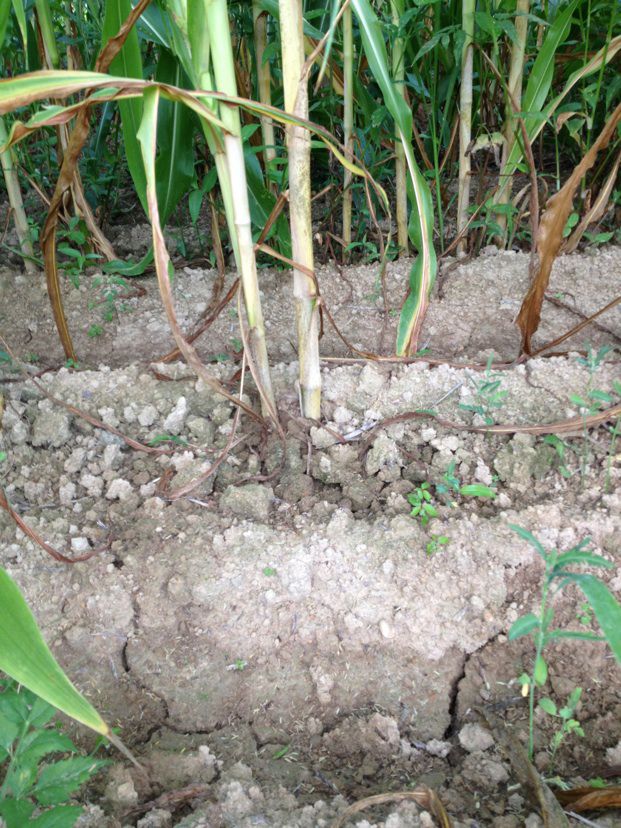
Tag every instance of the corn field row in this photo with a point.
(473, 122)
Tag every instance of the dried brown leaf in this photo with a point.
(66, 183)
(597, 210)
(423, 796)
(550, 234)
(590, 799)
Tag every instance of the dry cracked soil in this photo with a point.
(286, 638)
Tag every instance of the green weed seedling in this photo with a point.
(488, 394)
(561, 448)
(594, 399)
(567, 722)
(421, 502)
(558, 574)
(424, 506)
(37, 785)
(615, 431)
(435, 543)
(108, 288)
(159, 439)
(72, 240)
(451, 486)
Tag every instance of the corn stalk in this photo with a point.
(298, 148)
(398, 70)
(7, 159)
(264, 81)
(214, 14)
(516, 71)
(348, 121)
(465, 120)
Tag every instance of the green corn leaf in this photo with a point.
(605, 606)
(59, 780)
(20, 14)
(129, 268)
(375, 49)
(5, 11)
(174, 166)
(534, 90)
(154, 25)
(25, 657)
(542, 72)
(523, 626)
(128, 63)
(420, 226)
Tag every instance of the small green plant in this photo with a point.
(615, 430)
(424, 506)
(451, 485)
(421, 502)
(594, 359)
(435, 543)
(566, 716)
(488, 394)
(72, 239)
(36, 787)
(558, 574)
(167, 438)
(94, 330)
(561, 448)
(585, 614)
(108, 289)
(595, 398)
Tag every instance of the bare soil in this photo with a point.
(283, 638)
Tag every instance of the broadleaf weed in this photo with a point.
(557, 576)
(36, 787)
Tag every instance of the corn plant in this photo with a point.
(25, 657)
(298, 148)
(421, 93)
